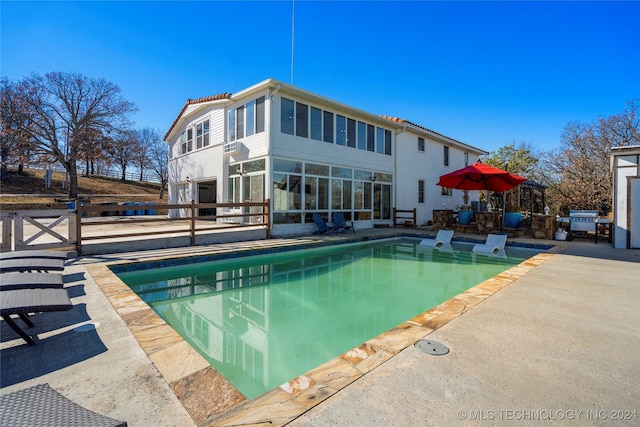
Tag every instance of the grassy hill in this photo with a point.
(30, 184)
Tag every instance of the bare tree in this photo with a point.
(145, 139)
(122, 150)
(578, 172)
(66, 109)
(15, 141)
(158, 158)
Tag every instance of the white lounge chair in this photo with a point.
(494, 245)
(442, 238)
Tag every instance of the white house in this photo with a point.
(625, 164)
(307, 154)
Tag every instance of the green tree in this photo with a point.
(519, 158)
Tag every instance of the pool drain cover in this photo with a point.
(432, 347)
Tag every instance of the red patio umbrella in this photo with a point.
(479, 176)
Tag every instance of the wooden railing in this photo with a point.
(409, 220)
(63, 228)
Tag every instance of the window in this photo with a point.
(421, 144)
(189, 139)
(302, 120)
(240, 122)
(232, 125)
(260, 114)
(387, 142)
(328, 127)
(446, 155)
(316, 123)
(286, 116)
(341, 130)
(379, 140)
(446, 191)
(183, 142)
(202, 134)
(421, 191)
(371, 138)
(466, 159)
(250, 115)
(351, 133)
(362, 136)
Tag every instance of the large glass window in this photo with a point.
(316, 123)
(341, 130)
(286, 116)
(302, 120)
(327, 135)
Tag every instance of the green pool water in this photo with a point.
(264, 320)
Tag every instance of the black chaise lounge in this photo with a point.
(12, 281)
(31, 264)
(43, 254)
(41, 405)
(341, 224)
(323, 227)
(24, 301)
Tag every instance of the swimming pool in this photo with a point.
(262, 320)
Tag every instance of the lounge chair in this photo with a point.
(24, 301)
(12, 281)
(494, 245)
(42, 254)
(41, 405)
(323, 227)
(442, 238)
(341, 224)
(31, 264)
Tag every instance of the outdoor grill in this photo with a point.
(583, 221)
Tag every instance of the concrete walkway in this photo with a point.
(559, 344)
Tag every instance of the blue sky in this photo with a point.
(485, 73)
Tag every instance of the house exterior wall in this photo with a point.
(363, 182)
(625, 162)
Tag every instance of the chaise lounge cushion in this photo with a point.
(12, 281)
(31, 264)
(41, 405)
(42, 254)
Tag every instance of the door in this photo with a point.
(207, 194)
(634, 213)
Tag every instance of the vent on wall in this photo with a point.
(233, 147)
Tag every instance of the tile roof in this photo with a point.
(209, 98)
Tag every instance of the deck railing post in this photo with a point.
(266, 217)
(78, 226)
(193, 222)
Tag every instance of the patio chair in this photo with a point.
(323, 227)
(38, 254)
(494, 245)
(12, 281)
(24, 301)
(341, 224)
(41, 405)
(31, 264)
(442, 238)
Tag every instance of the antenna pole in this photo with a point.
(293, 19)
